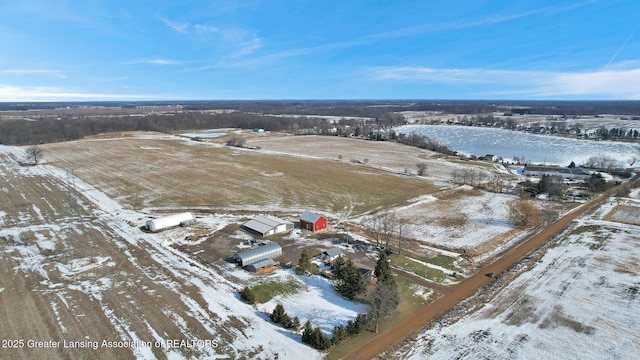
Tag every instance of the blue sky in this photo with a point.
(56, 50)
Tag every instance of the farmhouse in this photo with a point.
(331, 254)
(165, 222)
(265, 225)
(256, 254)
(312, 221)
(565, 172)
(262, 266)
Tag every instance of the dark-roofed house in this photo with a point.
(259, 253)
(262, 266)
(331, 254)
(265, 225)
(312, 221)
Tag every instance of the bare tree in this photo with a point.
(523, 213)
(34, 155)
(382, 302)
(422, 168)
(382, 227)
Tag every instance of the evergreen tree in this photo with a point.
(572, 165)
(383, 270)
(339, 333)
(350, 284)
(304, 263)
(247, 295)
(307, 333)
(295, 323)
(337, 267)
(319, 340)
(278, 314)
(286, 321)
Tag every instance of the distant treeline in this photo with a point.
(48, 130)
(370, 108)
(259, 114)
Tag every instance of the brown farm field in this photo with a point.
(167, 172)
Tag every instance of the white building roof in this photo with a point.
(264, 223)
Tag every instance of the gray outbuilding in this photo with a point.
(259, 253)
(265, 225)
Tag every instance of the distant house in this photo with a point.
(259, 253)
(565, 172)
(490, 157)
(265, 225)
(331, 254)
(262, 266)
(312, 221)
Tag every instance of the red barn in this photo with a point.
(312, 221)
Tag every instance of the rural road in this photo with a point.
(457, 293)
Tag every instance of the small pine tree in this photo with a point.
(339, 333)
(307, 333)
(286, 321)
(295, 323)
(304, 263)
(383, 270)
(278, 314)
(319, 340)
(247, 295)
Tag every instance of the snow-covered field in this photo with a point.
(580, 301)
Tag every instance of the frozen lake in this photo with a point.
(508, 144)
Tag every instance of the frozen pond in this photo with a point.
(508, 144)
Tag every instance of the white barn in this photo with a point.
(165, 222)
(265, 225)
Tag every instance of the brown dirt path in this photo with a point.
(441, 306)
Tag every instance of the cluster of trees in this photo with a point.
(317, 340)
(279, 316)
(469, 176)
(423, 142)
(616, 133)
(385, 227)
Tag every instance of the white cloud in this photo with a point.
(56, 73)
(620, 83)
(158, 61)
(177, 27)
(186, 28)
(42, 93)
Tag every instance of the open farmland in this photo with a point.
(389, 156)
(177, 284)
(579, 300)
(168, 172)
(69, 283)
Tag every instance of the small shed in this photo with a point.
(265, 225)
(259, 253)
(262, 266)
(331, 254)
(165, 222)
(312, 221)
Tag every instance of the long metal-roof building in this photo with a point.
(170, 221)
(256, 254)
(265, 225)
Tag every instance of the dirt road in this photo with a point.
(457, 293)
